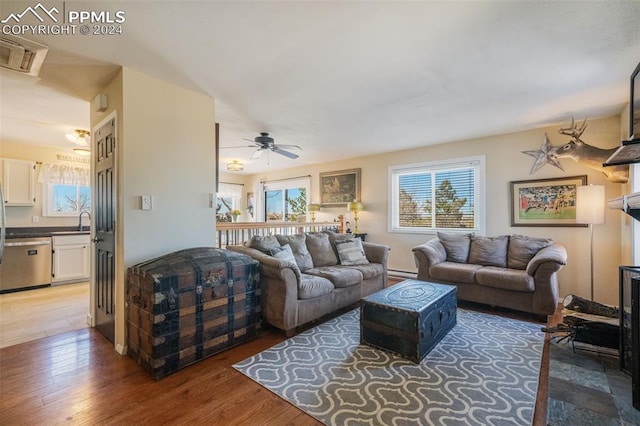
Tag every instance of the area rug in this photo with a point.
(484, 371)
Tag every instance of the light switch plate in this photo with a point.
(145, 202)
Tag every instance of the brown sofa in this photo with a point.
(327, 272)
(515, 272)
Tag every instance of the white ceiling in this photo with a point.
(343, 79)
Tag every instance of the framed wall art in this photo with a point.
(339, 188)
(545, 202)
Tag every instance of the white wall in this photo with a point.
(168, 152)
(504, 163)
(166, 149)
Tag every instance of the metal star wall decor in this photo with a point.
(544, 155)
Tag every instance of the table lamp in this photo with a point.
(355, 207)
(313, 208)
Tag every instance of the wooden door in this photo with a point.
(104, 223)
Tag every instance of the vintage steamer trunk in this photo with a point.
(408, 318)
(189, 305)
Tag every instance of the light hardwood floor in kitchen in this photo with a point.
(34, 314)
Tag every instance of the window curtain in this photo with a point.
(66, 175)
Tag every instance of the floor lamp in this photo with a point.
(590, 202)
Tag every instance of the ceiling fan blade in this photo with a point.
(257, 154)
(290, 146)
(285, 153)
(238, 146)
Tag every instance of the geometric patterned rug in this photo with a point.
(484, 371)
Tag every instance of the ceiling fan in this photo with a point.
(264, 143)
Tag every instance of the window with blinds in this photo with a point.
(437, 196)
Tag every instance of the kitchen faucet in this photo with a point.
(80, 218)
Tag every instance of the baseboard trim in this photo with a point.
(401, 274)
(122, 350)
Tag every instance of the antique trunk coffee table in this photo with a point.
(408, 318)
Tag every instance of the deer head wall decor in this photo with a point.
(589, 155)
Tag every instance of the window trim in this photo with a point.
(479, 162)
(232, 191)
(47, 199)
(282, 185)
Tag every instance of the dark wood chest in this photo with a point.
(408, 318)
(190, 304)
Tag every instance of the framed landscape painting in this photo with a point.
(545, 202)
(339, 188)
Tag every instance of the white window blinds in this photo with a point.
(437, 196)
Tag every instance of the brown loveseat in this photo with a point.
(515, 272)
(306, 276)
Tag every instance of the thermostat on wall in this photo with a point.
(145, 202)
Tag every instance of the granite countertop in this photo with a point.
(44, 231)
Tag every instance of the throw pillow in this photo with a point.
(456, 246)
(264, 243)
(299, 249)
(489, 251)
(351, 252)
(320, 249)
(334, 238)
(284, 253)
(523, 248)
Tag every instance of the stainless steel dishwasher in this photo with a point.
(26, 263)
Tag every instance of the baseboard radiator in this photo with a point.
(397, 273)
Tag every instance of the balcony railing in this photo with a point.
(233, 233)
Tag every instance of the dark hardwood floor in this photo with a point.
(78, 378)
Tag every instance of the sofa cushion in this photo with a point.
(320, 249)
(351, 252)
(522, 249)
(489, 251)
(312, 286)
(505, 279)
(299, 248)
(370, 270)
(456, 246)
(264, 243)
(454, 272)
(340, 277)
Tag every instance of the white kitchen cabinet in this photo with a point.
(18, 178)
(70, 258)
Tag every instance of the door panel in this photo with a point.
(104, 224)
